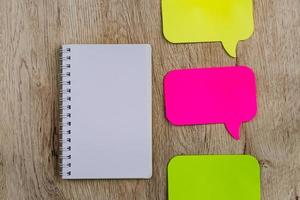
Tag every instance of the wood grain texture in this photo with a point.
(31, 31)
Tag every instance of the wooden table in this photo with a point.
(31, 31)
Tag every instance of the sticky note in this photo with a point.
(228, 21)
(216, 95)
(223, 177)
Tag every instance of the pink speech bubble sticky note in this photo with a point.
(224, 95)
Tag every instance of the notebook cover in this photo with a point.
(214, 177)
(111, 112)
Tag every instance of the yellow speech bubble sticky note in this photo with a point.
(228, 21)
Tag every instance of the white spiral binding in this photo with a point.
(65, 113)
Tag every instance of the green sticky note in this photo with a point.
(223, 177)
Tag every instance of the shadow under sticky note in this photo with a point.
(221, 177)
(225, 95)
(227, 21)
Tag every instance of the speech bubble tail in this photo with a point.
(233, 129)
(230, 47)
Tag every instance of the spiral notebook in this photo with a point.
(106, 112)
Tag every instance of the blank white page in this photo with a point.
(111, 112)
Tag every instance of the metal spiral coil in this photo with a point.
(65, 112)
